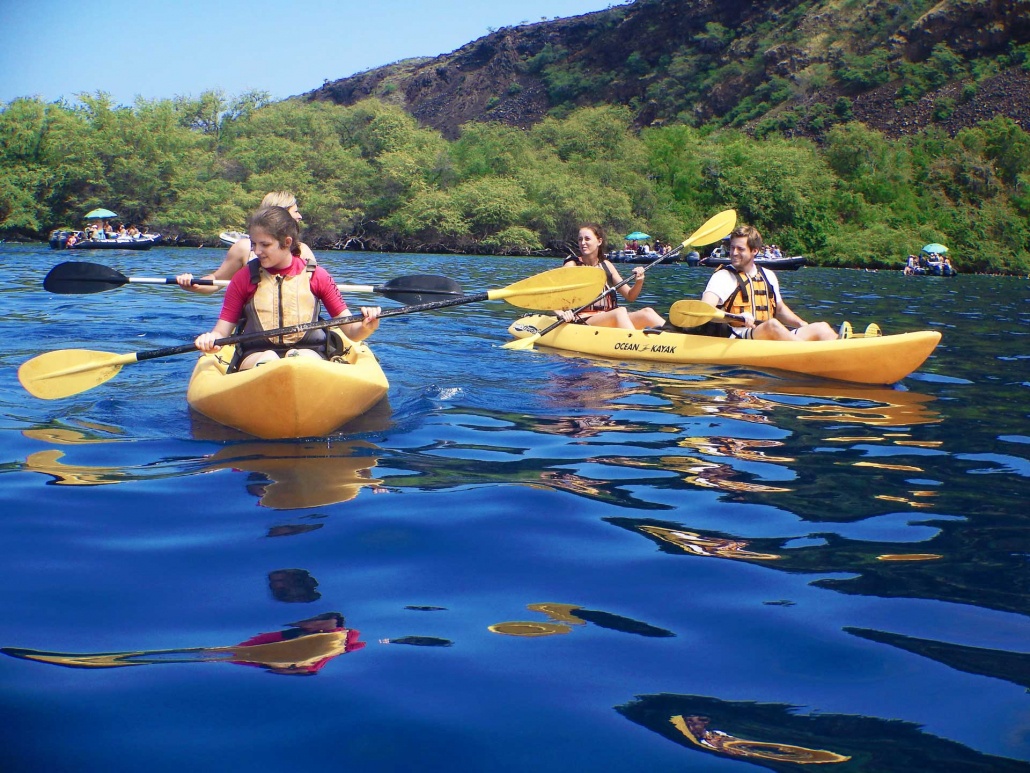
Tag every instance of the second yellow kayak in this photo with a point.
(878, 360)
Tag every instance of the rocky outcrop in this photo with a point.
(972, 28)
(624, 51)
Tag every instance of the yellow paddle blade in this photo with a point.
(67, 372)
(522, 343)
(716, 228)
(560, 288)
(693, 313)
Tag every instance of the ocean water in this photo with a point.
(539, 561)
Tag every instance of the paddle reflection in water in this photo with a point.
(303, 648)
(83, 432)
(778, 736)
(282, 475)
(561, 618)
(697, 544)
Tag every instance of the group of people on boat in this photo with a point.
(741, 288)
(646, 248)
(99, 232)
(105, 230)
(937, 264)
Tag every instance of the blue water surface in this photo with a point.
(544, 562)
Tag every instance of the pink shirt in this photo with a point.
(240, 290)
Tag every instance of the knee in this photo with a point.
(824, 332)
(772, 329)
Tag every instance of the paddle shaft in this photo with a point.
(76, 277)
(48, 375)
(170, 280)
(168, 351)
(319, 325)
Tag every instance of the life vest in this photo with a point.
(282, 301)
(760, 302)
(610, 299)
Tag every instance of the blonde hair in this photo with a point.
(283, 199)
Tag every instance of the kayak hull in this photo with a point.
(295, 397)
(875, 360)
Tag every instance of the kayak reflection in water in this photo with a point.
(696, 729)
(303, 649)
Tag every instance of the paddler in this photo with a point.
(607, 312)
(746, 289)
(281, 289)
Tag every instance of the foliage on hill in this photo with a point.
(369, 176)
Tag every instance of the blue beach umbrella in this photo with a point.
(935, 249)
(636, 236)
(97, 214)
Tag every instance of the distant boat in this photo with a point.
(61, 240)
(229, 238)
(632, 256)
(719, 257)
(931, 261)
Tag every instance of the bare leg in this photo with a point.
(626, 320)
(252, 360)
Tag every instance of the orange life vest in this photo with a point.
(760, 302)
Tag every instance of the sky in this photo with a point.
(157, 49)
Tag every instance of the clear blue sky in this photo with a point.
(162, 49)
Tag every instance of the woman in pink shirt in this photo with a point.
(280, 289)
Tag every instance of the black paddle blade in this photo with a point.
(77, 278)
(420, 288)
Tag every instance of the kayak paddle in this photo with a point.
(66, 372)
(79, 278)
(713, 230)
(694, 313)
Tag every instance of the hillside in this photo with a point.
(796, 68)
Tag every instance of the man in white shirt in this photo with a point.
(745, 289)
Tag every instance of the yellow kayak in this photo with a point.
(876, 360)
(294, 397)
